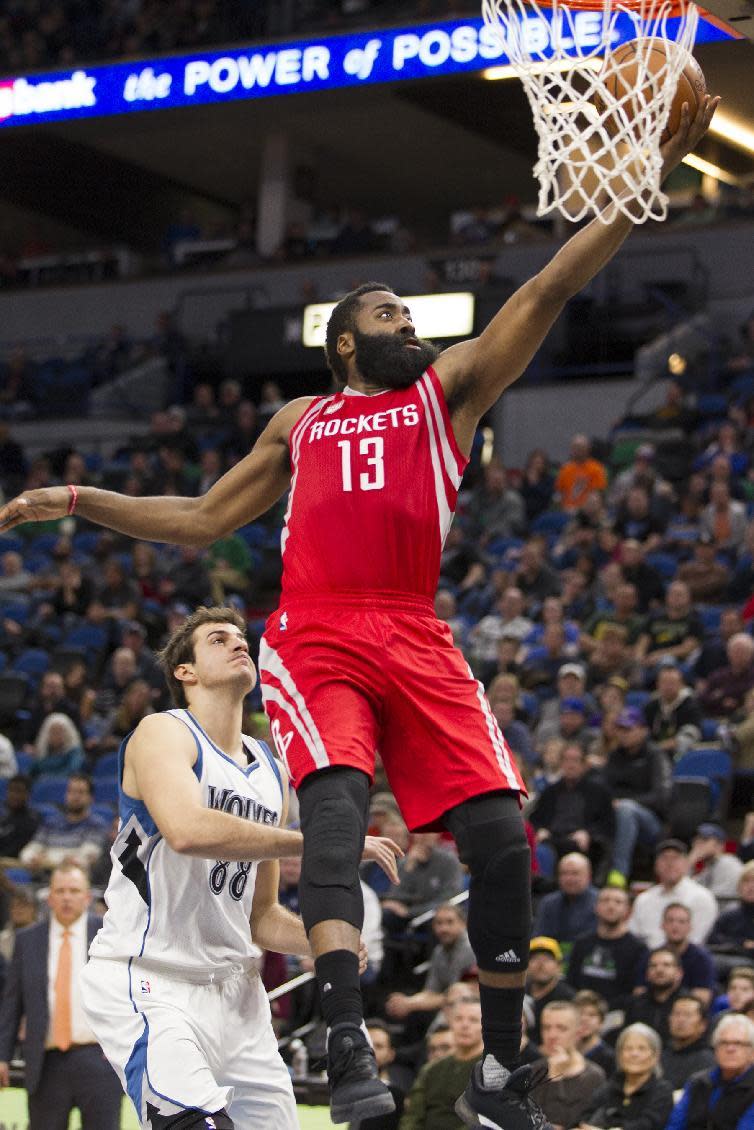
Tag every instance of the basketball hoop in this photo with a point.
(599, 122)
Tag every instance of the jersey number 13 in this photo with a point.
(370, 455)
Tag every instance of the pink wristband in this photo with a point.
(74, 498)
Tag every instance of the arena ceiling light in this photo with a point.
(434, 315)
(706, 167)
(733, 132)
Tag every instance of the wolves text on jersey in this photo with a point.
(244, 806)
(406, 416)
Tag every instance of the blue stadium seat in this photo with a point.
(21, 876)
(106, 811)
(10, 543)
(24, 761)
(666, 564)
(712, 404)
(86, 541)
(255, 535)
(46, 810)
(710, 615)
(91, 637)
(16, 610)
(551, 522)
(106, 766)
(48, 790)
(106, 791)
(712, 765)
(33, 662)
(710, 726)
(637, 698)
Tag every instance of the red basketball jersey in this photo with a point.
(373, 490)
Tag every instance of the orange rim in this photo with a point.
(648, 9)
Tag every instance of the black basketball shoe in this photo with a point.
(356, 1091)
(509, 1107)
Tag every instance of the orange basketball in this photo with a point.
(691, 85)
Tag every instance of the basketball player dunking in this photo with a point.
(354, 659)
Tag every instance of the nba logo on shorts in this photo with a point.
(210, 1124)
(284, 622)
(145, 987)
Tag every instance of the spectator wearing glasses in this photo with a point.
(722, 1098)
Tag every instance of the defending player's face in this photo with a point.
(221, 656)
(387, 351)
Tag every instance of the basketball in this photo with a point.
(624, 82)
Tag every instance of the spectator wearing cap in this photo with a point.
(726, 689)
(571, 725)
(663, 986)
(544, 978)
(641, 473)
(573, 814)
(707, 578)
(637, 774)
(675, 631)
(571, 684)
(722, 1098)
(673, 886)
(568, 911)
(719, 871)
(673, 715)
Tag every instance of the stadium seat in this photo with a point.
(255, 535)
(48, 790)
(691, 803)
(14, 689)
(710, 615)
(33, 662)
(16, 610)
(9, 543)
(24, 761)
(106, 811)
(86, 541)
(91, 637)
(106, 791)
(666, 564)
(20, 876)
(48, 812)
(106, 766)
(44, 543)
(713, 405)
(711, 765)
(710, 726)
(551, 522)
(638, 698)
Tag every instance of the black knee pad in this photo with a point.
(192, 1120)
(489, 832)
(333, 806)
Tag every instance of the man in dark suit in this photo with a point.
(65, 1067)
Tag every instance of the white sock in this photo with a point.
(493, 1072)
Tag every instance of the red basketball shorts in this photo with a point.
(345, 677)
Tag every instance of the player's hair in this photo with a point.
(180, 646)
(587, 998)
(341, 321)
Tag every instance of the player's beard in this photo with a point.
(386, 361)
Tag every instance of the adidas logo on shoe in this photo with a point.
(507, 957)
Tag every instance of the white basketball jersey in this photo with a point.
(178, 911)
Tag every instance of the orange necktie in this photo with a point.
(61, 1017)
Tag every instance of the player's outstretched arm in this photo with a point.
(240, 496)
(159, 771)
(475, 373)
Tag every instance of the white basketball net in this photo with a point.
(599, 134)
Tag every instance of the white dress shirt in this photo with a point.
(81, 1033)
(646, 916)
